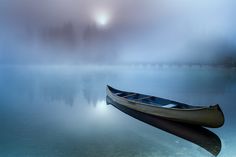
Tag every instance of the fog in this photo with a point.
(117, 32)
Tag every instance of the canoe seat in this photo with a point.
(170, 106)
(118, 94)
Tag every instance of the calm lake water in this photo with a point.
(61, 111)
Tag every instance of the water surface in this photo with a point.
(61, 110)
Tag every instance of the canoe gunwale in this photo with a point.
(187, 109)
(156, 106)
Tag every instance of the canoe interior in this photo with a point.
(151, 100)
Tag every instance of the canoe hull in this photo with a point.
(196, 134)
(206, 116)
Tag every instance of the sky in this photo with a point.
(120, 32)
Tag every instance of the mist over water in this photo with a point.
(61, 110)
(72, 32)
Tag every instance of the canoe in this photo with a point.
(193, 133)
(207, 116)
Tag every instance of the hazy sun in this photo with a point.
(102, 18)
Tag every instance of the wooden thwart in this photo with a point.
(129, 95)
(143, 98)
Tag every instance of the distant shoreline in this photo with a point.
(104, 66)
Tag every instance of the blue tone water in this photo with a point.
(61, 110)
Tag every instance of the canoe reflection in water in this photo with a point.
(195, 134)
